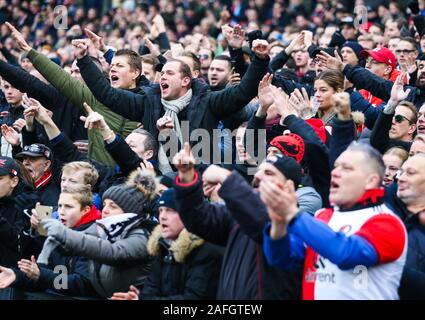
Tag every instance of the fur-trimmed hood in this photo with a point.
(181, 247)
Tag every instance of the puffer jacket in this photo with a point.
(187, 268)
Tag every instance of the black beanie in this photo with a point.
(288, 167)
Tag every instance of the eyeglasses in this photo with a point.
(400, 118)
(405, 51)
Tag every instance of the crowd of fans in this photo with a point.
(186, 150)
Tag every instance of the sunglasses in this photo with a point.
(400, 118)
(405, 51)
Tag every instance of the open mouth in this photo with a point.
(114, 78)
(421, 128)
(387, 181)
(164, 86)
(63, 221)
(334, 186)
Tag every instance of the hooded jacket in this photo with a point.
(185, 269)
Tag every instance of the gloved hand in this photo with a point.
(337, 40)
(54, 229)
(414, 7)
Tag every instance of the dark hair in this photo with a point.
(411, 40)
(150, 141)
(133, 59)
(334, 78)
(195, 59)
(225, 58)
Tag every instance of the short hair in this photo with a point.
(372, 156)
(195, 59)
(225, 58)
(411, 40)
(183, 69)
(90, 172)
(150, 59)
(150, 141)
(133, 58)
(401, 153)
(81, 193)
(411, 107)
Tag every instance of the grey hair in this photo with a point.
(373, 157)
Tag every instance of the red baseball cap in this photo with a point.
(383, 55)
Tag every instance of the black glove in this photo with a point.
(26, 201)
(337, 40)
(414, 7)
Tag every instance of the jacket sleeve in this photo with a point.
(129, 250)
(358, 103)
(412, 284)
(65, 150)
(210, 221)
(125, 103)
(48, 96)
(9, 233)
(121, 152)
(362, 78)
(317, 155)
(225, 102)
(278, 61)
(245, 205)
(343, 133)
(76, 283)
(286, 253)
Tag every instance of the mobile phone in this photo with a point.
(43, 212)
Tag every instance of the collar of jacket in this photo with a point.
(370, 198)
(93, 215)
(44, 180)
(180, 248)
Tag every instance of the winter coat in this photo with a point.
(65, 115)
(114, 264)
(237, 225)
(62, 268)
(204, 111)
(188, 269)
(79, 93)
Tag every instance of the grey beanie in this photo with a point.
(134, 196)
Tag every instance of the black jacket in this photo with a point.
(65, 114)
(11, 224)
(186, 270)
(237, 225)
(204, 111)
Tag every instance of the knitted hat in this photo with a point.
(167, 199)
(288, 167)
(134, 196)
(291, 145)
(357, 48)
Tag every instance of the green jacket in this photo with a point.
(78, 93)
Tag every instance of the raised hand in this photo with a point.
(215, 174)
(235, 78)
(10, 135)
(342, 105)
(152, 48)
(81, 47)
(297, 44)
(30, 268)
(265, 95)
(94, 120)
(261, 48)
(397, 92)
(185, 163)
(146, 166)
(300, 101)
(237, 37)
(34, 109)
(283, 107)
(330, 62)
(97, 41)
(19, 124)
(19, 38)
